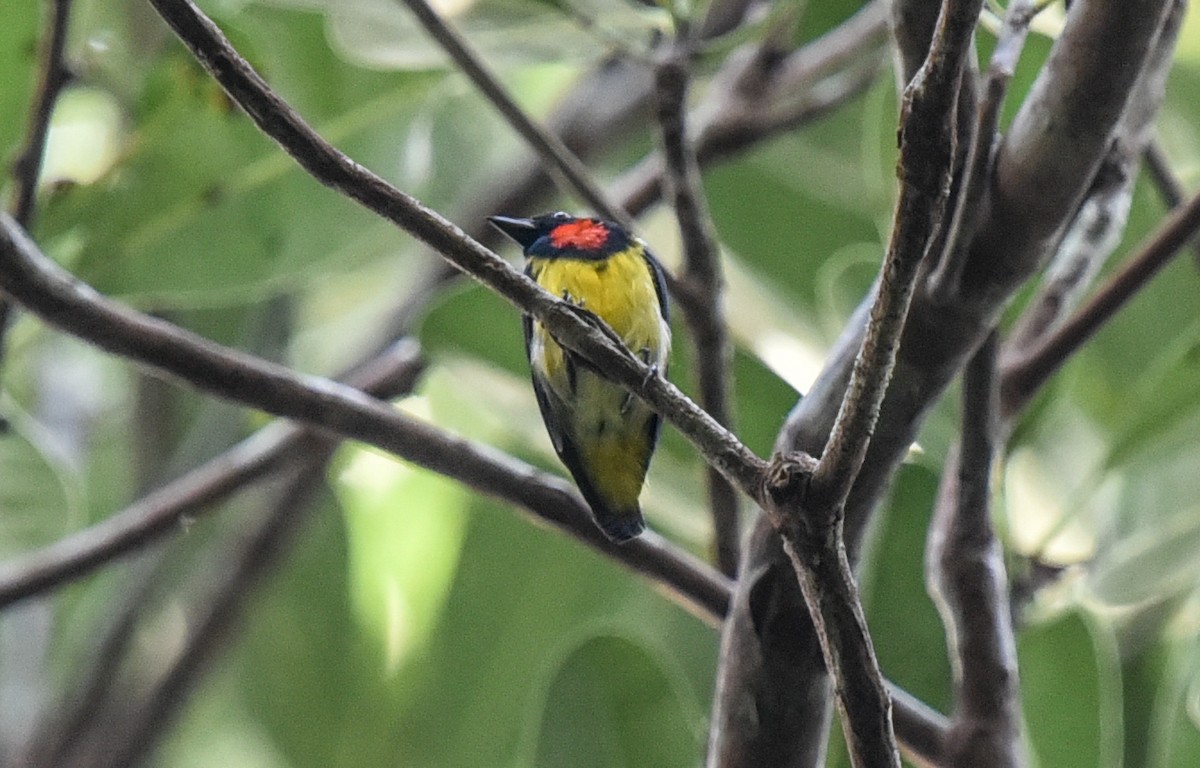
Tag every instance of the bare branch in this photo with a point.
(1025, 376)
(807, 501)
(1165, 181)
(27, 167)
(548, 146)
(977, 173)
(189, 496)
(926, 162)
(1091, 239)
(700, 290)
(257, 557)
(54, 75)
(966, 575)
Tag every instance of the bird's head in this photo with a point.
(561, 235)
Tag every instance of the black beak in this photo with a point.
(524, 231)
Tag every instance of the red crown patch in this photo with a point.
(581, 234)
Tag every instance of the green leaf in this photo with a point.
(1070, 693)
(40, 496)
(610, 705)
(18, 61)
(910, 640)
(1151, 564)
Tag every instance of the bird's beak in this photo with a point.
(524, 231)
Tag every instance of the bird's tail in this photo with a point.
(621, 526)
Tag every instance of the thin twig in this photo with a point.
(1087, 244)
(1166, 182)
(944, 279)
(965, 570)
(1024, 376)
(546, 144)
(700, 288)
(27, 168)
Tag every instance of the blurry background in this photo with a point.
(409, 622)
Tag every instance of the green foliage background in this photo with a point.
(419, 625)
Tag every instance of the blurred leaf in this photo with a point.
(611, 704)
(301, 669)
(382, 33)
(19, 36)
(39, 498)
(910, 640)
(404, 532)
(202, 207)
(1070, 693)
(1151, 564)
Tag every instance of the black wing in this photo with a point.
(660, 283)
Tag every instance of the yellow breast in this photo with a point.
(620, 289)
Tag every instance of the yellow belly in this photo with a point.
(606, 424)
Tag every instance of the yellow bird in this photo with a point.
(603, 434)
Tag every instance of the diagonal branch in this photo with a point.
(547, 145)
(252, 562)
(162, 512)
(1170, 189)
(1023, 377)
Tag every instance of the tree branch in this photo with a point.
(1024, 376)
(945, 277)
(553, 151)
(807, 501)
(699, 290)
(966, 576)
(27, 167)
(131, 739)
(1165, 181)
(191, 495)
(938, 338)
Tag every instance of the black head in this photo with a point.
(561, 235)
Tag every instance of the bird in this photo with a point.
(602, 433)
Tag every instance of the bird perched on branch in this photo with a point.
(603, 434)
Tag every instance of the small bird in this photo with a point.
(603, 434)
